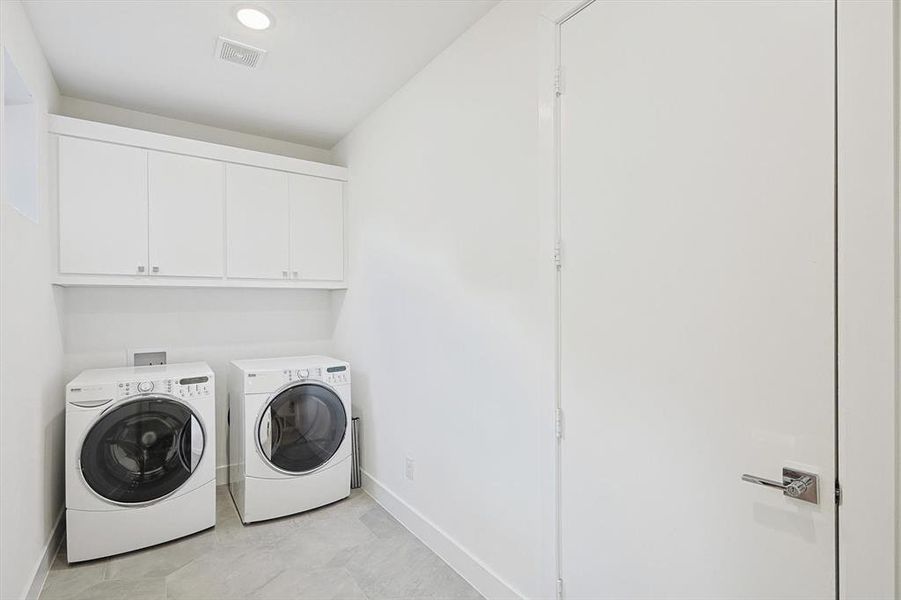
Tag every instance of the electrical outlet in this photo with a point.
(409, 467)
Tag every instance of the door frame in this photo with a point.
(868, 275)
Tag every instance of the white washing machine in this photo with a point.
(289, 435)
(140, 457)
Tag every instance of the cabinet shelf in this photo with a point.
(190, 282)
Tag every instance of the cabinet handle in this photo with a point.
(295, 274)
(285, 274)
(140, 268)
(155, 269)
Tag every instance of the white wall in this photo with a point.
(217, 326)
(105, 113)
(31, 354)
(447, 319)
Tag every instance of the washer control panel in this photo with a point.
(186, 387)
(302, 374)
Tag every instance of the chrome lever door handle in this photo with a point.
(795, 484)
(762, 481)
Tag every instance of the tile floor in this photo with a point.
(350, 549)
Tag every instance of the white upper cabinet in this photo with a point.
(187, 201)
(102, 208)
(258, 228)
(138, 208)
(317, 228)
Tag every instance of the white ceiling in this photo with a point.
(330, 63)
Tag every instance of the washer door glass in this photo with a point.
(302, 428)
(142, 450)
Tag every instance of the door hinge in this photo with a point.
(838, 493)
(559, 589)
(558, 254)
(558, 80)
(558, 423)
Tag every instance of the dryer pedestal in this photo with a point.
(270, 498)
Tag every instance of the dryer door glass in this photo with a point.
(302, 428)
(141, 450)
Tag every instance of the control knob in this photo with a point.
(145, 386)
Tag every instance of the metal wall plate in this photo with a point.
(147, 357)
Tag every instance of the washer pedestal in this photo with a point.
(95, 534)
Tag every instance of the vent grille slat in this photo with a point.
(240, 54)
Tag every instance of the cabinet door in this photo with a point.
(102, 208)
(187, 201)
(257, 216)
(317, 228)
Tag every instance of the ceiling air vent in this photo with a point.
(238, 53)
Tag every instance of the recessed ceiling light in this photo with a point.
(254, 18)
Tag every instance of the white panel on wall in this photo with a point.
(20, 159)
(19, 138)
(187, 201)
(102, 228)
(257, 217)
(317, 228)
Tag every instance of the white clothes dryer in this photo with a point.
(140, 457)
(289, 435)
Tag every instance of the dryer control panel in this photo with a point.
(337, 375)
(267, 381)
(331, 375)
(186, 387)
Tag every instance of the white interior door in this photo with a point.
(102, 208)
(258, 222)
(697, 298)
(187, 201)
(317, 228)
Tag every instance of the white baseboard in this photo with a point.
(45, 561)
(473, 570)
